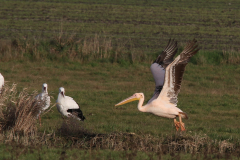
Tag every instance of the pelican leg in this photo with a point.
(181, 123)
(177, 124)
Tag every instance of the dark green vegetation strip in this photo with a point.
(144, 25)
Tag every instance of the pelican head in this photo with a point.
(62, 91)
(134, 97)
(44, 87)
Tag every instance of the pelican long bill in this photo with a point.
(129, 99)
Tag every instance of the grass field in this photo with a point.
(209, 94)
(207, 91)
(100, 52)
(142, 25)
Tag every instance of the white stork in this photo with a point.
(67, 106)
(164, 101)
(44, 100)
(1, 82)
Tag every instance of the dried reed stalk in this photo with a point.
(26, 113)
(18, 114)
(7, 101)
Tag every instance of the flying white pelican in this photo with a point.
(43, 99)
(1, 82)
(164, 101)
(67, 106)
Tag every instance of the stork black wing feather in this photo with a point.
(78, 112)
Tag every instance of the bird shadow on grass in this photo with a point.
(74, 128)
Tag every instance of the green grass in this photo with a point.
(209, 95)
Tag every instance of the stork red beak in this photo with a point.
(127, 100)
(62, 94)
(44, 88)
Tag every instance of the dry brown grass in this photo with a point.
(92, 48)
(175, 144)
(73, 134)
(231, 57)
(83, 49)
(7, 111)
(98, 47)
(61, 46)
(18, 113)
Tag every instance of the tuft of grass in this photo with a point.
(7, 109)
(18, 113)
(231, 57)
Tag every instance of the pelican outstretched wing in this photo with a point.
(174, 73)
(166, 57)
(159, 65)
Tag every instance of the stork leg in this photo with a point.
(40, 120)
(181, 123)
(177, 124)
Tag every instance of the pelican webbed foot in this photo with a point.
(181, 123)
(177, 124)
(183, 127)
